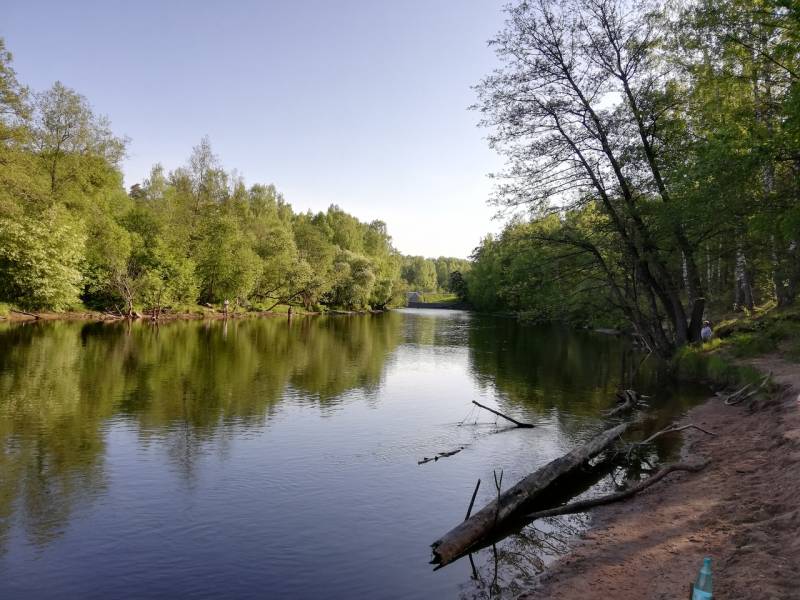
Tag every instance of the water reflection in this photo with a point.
(264, 426)
(61, 383)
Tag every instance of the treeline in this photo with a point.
(656, 151)
(434, 274)
(71, 235)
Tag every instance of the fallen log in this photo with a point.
(508, 505)
(584, 505)
(27, 314)
(629, 399)
(506, 417)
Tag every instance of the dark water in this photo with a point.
(267, 459)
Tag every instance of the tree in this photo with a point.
(19, 185)
(420, 273)
(14, 107)
(577, 108)
(227, 266)
(67, 135)
(458, 285)
(354, 280)
(40, 260)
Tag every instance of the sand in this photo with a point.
(743, 511)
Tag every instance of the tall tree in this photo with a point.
(576, 108)
(68, 135)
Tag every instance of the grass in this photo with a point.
(774, 331)
(764, 332)
(439, 297)
(695, 363)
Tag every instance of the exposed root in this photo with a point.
(584, 505)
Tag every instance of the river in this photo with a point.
(264, 458)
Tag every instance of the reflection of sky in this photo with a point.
(324, 498)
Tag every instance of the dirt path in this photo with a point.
(743, 511)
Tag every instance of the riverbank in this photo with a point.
(743, 510)
(15, 316)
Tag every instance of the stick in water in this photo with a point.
(506, 417)
(472, 502)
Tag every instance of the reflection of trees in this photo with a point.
(50, 439)
(545, 368)
(437, 328)
(539, 369)
(333, 355)
(60, 384)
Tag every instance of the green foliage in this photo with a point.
(657, 186)
(41, 259)
(529, 271)
(420, 273)
(458, 285)
(695, 364)
(227, 266)
(70, 232)
(439, 297)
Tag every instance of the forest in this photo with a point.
(653, 153)
(72, 236)
(652, 181)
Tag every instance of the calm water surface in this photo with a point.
(268, 459)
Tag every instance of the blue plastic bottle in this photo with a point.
(702, 586)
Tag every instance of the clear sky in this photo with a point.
(360, 103)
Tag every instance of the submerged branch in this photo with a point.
(506, 417)
(584, 505)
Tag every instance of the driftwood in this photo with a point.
(668, 429)
(27, 314)
(425, 459)
(508, 505)
(630, 400)
(674, 428)
(584, 505)
(506, 417)
(740, 396)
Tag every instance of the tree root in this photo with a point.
(584, 505)
(739, 396)
(669, 429)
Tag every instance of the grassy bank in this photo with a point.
(721, 361)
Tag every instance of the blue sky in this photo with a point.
(357, 103)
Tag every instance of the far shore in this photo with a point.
(203, 313)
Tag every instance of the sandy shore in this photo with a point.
(743, 510)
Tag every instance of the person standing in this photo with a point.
(705, 332)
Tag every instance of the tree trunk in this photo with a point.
(744, 289)
(511, 503)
